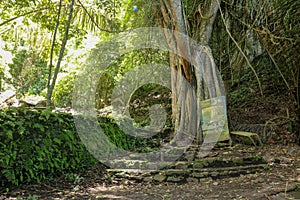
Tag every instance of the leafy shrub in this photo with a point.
(28, 72)
(35, 145)
(124, 140)
(38, 145)
(62, 94)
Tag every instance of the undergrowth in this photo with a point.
(37, 145)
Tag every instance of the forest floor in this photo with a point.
(280, 181)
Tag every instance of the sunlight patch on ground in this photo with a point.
(107, 192)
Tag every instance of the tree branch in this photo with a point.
(96, 24)
(22, 15)
(242, 52)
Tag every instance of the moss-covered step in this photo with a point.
(183, 171)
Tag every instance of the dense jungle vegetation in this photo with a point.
(46, 46)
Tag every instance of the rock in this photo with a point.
(215, 174)
(175, 179)
(148, 179)
(176, 151)
(169, 157)
(181, 165)
(135, 156)
(162, 164)
(190, 157)
(175, 172)
(206, 180)
(33, 100)
(259, 180)
(159, 177)
(225, 173)
(154, 156)
(136, 178)
(198, 165)
(215, 183)
(198, 175)
(192, 180)
(8, 94)
(152, 166)
(122, 175)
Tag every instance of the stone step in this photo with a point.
(191, 171)
(204, 163)
(178, 175)
(168, 154)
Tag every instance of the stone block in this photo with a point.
(159, 177)
(175, 179)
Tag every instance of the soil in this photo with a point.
(277, 182)
(280, 181)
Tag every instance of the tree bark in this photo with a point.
(51, 54)
(61, 54)
(187, 80)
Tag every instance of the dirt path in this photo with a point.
(274, 183)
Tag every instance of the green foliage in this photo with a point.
(147, 96)
(30, 197)
(75, 178)
(105, 86)
(267, 32)
(1, 77)
(114, 73)
(125, 141)
(281, 38)
(28, 72)
(38, 145)
(63, 91)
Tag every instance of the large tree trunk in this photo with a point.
(187, 77)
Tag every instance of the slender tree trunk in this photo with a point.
(61, 54)
(51, 54)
